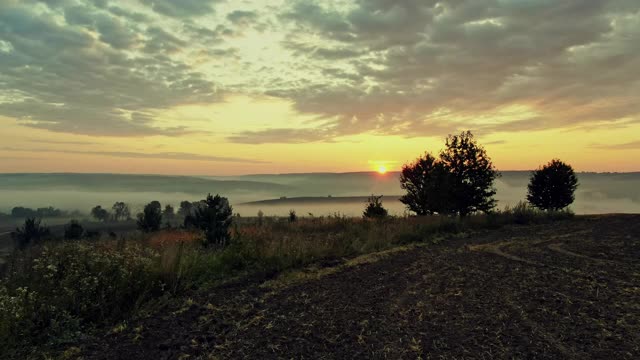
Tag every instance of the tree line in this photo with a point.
(460, 181)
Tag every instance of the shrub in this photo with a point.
(523, 213)
(374, 208)
(54, 292)
(552, 186)
(32, 232)
(292, 216)
(213, 218)
(73, 230)
(150, 218)
(99, 213)
(260, 217)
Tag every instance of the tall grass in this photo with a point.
(51, 293)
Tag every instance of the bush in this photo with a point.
(73, 230)
(32, 232)
(522, 213)
(374, 208)
(100, 214)
(150, 218)
(213, 218)
(552, 186)
(54, 292)
(292, 216)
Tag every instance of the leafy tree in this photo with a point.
(213, 218)
(427, 183)
(471, 174)
(22, 212)
(32, 232)
(150, 218)
(292, 216)
(459, 182)
(73, 230)
(552, 186)
(99, 213)
(121, 211)
(374, 208)
(185, 209)
(169, 212)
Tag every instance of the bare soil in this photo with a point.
(565, 290)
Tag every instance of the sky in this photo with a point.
(217, 87)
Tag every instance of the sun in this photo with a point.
(382, 169)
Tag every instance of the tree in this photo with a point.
(168, 212)
(73, 230)
(99, 213)
(459, 182)
(31, 232)
(426, 181)
(121, 211)
(22, 212)
(150, 218)
(552, 186)
(471, 174)
(374, 208)
(213, 217)
(185, 209)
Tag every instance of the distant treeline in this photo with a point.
(45, 212)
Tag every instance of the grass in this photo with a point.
(52, 293)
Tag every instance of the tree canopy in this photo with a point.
(552, 186)
(459, 182)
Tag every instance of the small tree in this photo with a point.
(185, 209)
(169, 212)
(73, 230)
(552, 186)
(260, 216)
(292, 216)
(471, 174)
(32, 232)
(427, 183)
(99, 213)
(213, 217)
(150, 218)
(374, 208)
(121, 211)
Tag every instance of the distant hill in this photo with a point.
(318, 200)
(134, 183)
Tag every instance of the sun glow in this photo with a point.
(382, 169)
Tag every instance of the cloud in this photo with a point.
(283, 135)
(60, 142)
(63, 79)
(180, 8)
(128, 154)
(633, 145)
(413, 68)
(571, 63)
(242, 16)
